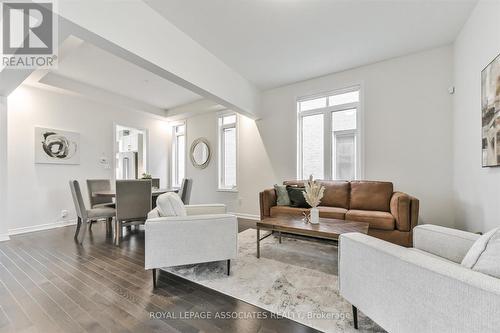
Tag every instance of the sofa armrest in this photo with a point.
(175, 240)
(267, 199)
(205, 209)
(407, 291)
(451, 244)
(404, 208)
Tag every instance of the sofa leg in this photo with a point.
(355, 316)
(154, 278)
(229, 267)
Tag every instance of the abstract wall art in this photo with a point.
(56, 147)
(490, 109)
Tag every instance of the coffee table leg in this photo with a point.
(258, 242)
(279, 237)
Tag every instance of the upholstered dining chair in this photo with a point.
(133, 203)
(95, 185)
(185, 191)
(84, 215)
(155, 182)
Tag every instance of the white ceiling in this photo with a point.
(95, 67)
(276, 42)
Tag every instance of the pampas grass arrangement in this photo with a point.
(314, 192)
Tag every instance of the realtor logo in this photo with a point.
(29, 35)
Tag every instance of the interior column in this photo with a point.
(4, 235)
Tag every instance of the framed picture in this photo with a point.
(490, 110)
(56, 147)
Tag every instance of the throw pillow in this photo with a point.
(484, 255)
(282, 198)
(296, 195)
(170, 204)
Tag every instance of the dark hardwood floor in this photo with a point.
(48, 283)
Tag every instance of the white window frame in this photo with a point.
(220, 144)
(174, 167)
(328, 131)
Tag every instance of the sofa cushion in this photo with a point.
(367, 195)
(376, 219)
(170, 204)
(280, 210)
(332, 212)
(336, 192)
(296, 195)
(484, 255)
(282, 197)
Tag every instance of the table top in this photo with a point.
(112, 193)
(327, 228)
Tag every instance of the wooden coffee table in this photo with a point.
(326, 229)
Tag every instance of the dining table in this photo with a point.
(112, 193)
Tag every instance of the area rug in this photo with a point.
(296, 279)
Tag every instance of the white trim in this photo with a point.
(246, 216)
(40, 227)
(234, 190)
(4, 237)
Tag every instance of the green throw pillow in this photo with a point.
(297, 197)
(282, 198)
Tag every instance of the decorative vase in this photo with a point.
(314, 215)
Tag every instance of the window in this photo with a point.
(178, 154)
(328, 135)
(227, 151)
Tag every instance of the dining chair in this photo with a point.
(95, 185)
(85, 215)
(133, 203)
(155, 182)
(185, 191)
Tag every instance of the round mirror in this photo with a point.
(200, 153)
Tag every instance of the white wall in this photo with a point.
(4, 235)
(37, 193)
(253, 166)
(476, 189)
(407, 134)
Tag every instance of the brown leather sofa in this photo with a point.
(391, 215)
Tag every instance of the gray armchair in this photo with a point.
(419, 289)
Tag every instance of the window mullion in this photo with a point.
(223, 158)
(176, 160)
(299, 141)
(327, 139)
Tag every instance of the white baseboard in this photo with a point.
(247, 216)
(40, 227)
(4, 237)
